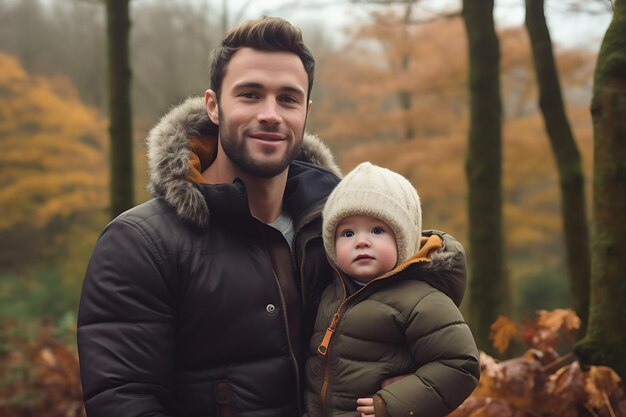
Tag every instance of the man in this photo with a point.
(193, 303)
(200, 301)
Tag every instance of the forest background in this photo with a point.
(391, 87)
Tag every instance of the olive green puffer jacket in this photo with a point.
(397, 324)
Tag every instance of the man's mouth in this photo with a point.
(268, 136)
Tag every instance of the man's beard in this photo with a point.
(236, 149)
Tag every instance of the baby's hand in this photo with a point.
(365, 406)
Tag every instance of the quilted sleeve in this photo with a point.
(126, 326)
(447, 357)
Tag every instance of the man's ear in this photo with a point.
(308, 108)
(212, 108)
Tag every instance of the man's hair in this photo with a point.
(264, 34)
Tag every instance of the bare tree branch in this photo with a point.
(440, 16)
(589, 7)
(300, 5)
(426, 14)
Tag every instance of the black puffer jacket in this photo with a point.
(182, 311)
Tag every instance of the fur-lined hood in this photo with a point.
(440, 262)
(184, 143)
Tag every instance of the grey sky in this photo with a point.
(568, 29)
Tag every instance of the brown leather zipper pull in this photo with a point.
(323, 347)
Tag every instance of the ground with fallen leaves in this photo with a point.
(40, 377)
(542, 382)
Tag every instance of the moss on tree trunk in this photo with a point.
(605, 341)
(488, 288)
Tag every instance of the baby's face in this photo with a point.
(366, 247)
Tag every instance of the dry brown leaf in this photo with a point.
(494, 408)
(501, 333)
(522, 381)
(529, 386)
(489, 377)
(559, 318)
(564, 391)
(534, 354)
(47, 357)
(469, 406)
(601, 381)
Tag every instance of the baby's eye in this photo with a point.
(347, 233)
(378, 230)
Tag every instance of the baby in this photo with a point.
(391, 314)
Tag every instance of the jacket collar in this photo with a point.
(184, 143)
(434, 264)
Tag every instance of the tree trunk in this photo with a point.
(605, 341)
(565, 151)
(120, 129)
(488, 288)
(405, 95)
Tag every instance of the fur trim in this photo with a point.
(169, 153)
(447, 272)
(441, 261)
(316, 152)
(168, 160)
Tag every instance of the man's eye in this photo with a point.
(249, 94)
(347, 233)
(378, 230)
(288, 99)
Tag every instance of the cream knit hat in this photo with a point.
(378, 192)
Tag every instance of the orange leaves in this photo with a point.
(543, 335)
(359, 112)
(531, 385)
(53, 164)
(550, 329)
(522, 387)
(600, 383)
(58, 377)
(393, 77)
(501, 333)
(53, 161)
(40, 377)
(558, 319)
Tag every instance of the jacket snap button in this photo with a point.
(271, 308)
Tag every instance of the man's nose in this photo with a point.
(269, 113)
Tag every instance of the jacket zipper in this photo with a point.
(306, 220)
(286, 323)
(324, 347)
(291, 353)
(312, 215)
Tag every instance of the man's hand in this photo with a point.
(365, 406)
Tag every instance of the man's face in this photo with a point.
(262, 111)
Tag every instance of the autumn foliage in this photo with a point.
(53, 162)
(357, 110)
(39, 377)
(47, 130)
(540, 382)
